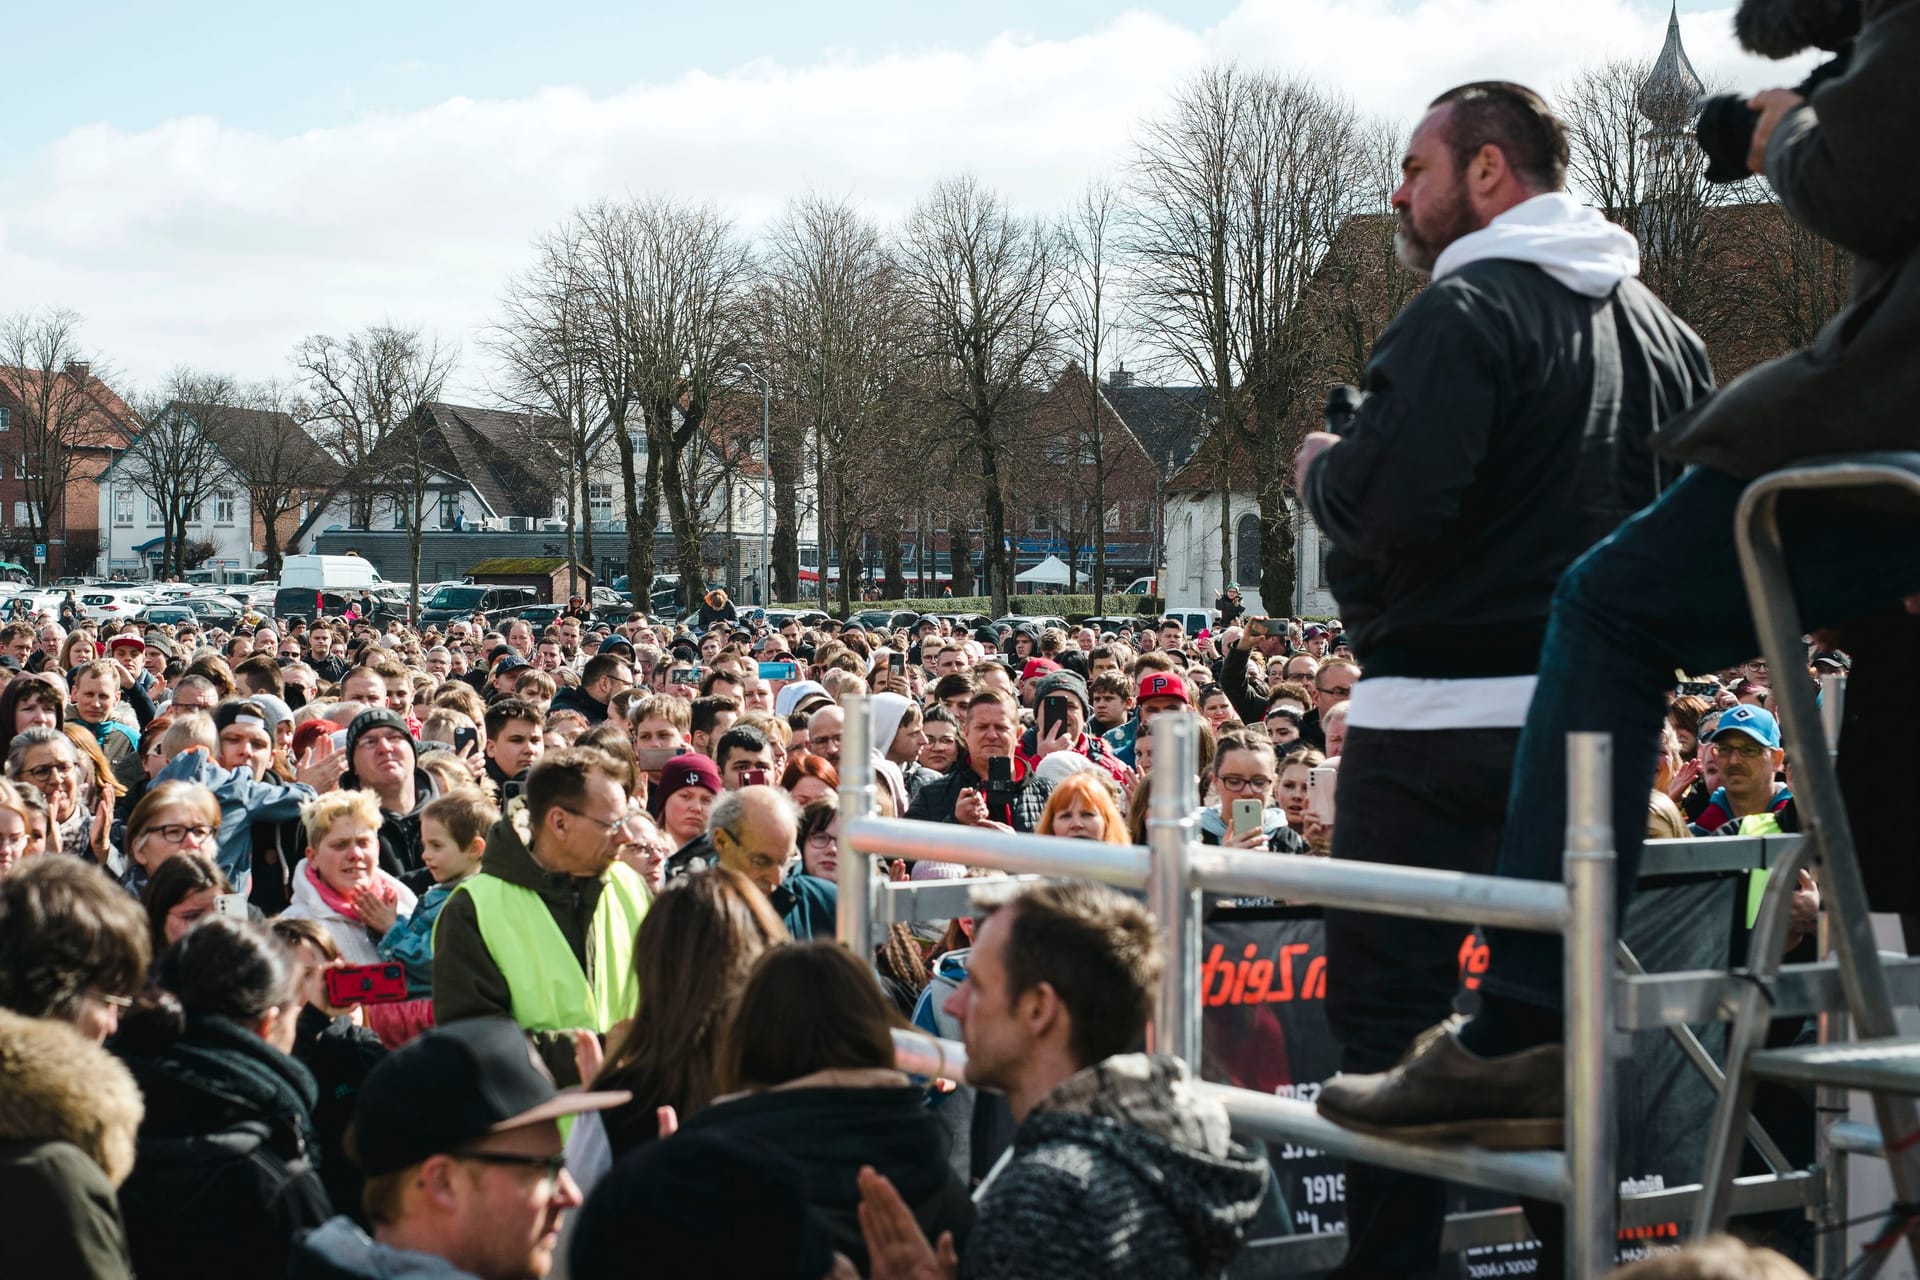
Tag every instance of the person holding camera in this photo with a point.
(1622, 623)
(988, 785)
(1500, 431)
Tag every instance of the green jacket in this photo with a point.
(468, 983)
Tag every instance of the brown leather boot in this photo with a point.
(1441, 1091)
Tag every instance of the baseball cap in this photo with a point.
(1162, 684)
(1756, 722)
(122, 639)
(1037, 667)
(245, 711)
(512, 662)
(455, 1085)
(1831, 660)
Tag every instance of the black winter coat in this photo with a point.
(224, 1175)
(831, 1131)
(1486, 458)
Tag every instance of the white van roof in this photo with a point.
(332, 573)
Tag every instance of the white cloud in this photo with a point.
(197, 243)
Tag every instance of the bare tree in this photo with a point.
(1632, 154)
(60, 411)
(1243, 189)
(276, 462)
(177, 462)
(368, 392)
(982, 286)
(544, 344)
(834, 316)
(1088, 238)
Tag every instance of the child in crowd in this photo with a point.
(453, 833)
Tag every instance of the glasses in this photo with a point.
(1337, 691)
(47, 772)
(1228, 782)
(628, 824)
(823, 838)
(550, 1167)
(180, 832)
(1745, 750)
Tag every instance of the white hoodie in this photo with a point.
(1558, 234)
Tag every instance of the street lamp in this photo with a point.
(766, 472)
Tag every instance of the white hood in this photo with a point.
(1558, 234)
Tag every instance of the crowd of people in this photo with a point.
(330, 949)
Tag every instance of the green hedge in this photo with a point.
(1059, 606)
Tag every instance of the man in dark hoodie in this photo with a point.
(1118, 1168)
(604, 678)
(544, 934)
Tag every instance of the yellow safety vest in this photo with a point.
(1758, 824)
(550, 991)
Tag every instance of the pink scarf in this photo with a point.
(342, 905)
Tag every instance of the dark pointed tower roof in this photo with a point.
(1673, 86)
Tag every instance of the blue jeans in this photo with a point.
(1664, 592)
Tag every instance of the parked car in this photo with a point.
(1040, 620)
(498, 604)
(169, 615)
(541, 615)
(885, 619)
(215, 611)
(969, 622)
(778, 618)
(110, 604)
(1115, 622)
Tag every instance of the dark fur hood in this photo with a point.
(61, 1087)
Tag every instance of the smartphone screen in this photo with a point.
(1248, 815)
(899, 663)
(779, 671)
(1000, 771)
(684, 675)
(1053, 714)
(754, 778)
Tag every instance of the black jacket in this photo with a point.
(573, 698)
(1485, 458)
(831, 1131)
(339, 1054)
(937, 799)
(224, 1174)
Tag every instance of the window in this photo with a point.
(1142, 517)
(153, 513)
(123, 508)
(23, 515)
(1246, 551)
(223, 506)
(20, 466)
(6, 418)
(360, 511)
(198, 515)
(1112, 522)
(1039, 521)
(450, 510)
(600, 502)
(399, 513)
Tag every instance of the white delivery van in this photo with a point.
(311, 585)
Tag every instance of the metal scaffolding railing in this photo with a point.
(1173, 871)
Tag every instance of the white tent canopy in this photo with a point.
(1051, 572)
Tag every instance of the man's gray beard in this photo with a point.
(1414, 258)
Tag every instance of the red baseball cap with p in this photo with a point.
(1162, 684)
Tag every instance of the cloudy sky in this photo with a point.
(207, 189)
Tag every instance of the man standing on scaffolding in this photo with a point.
(1501, 433)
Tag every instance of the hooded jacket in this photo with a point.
(1503, 432)
(224, 1175)
(340, 1250)
(357, 945)
(1121, 1172)
(576, 698)
(937, 799)
(467, 983)
(830, 1124)
(69, 1112)
(400, 832)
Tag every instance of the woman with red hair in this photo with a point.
(809, 777)
(1082, 807)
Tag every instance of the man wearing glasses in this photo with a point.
(755, 831)
(459, 1135)
(544, 934)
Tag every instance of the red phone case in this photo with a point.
(367, 984)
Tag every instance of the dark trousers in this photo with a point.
(1664, 592)
(1429, 798)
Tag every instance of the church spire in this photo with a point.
(1668, 95)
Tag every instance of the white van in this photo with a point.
(328, 573)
